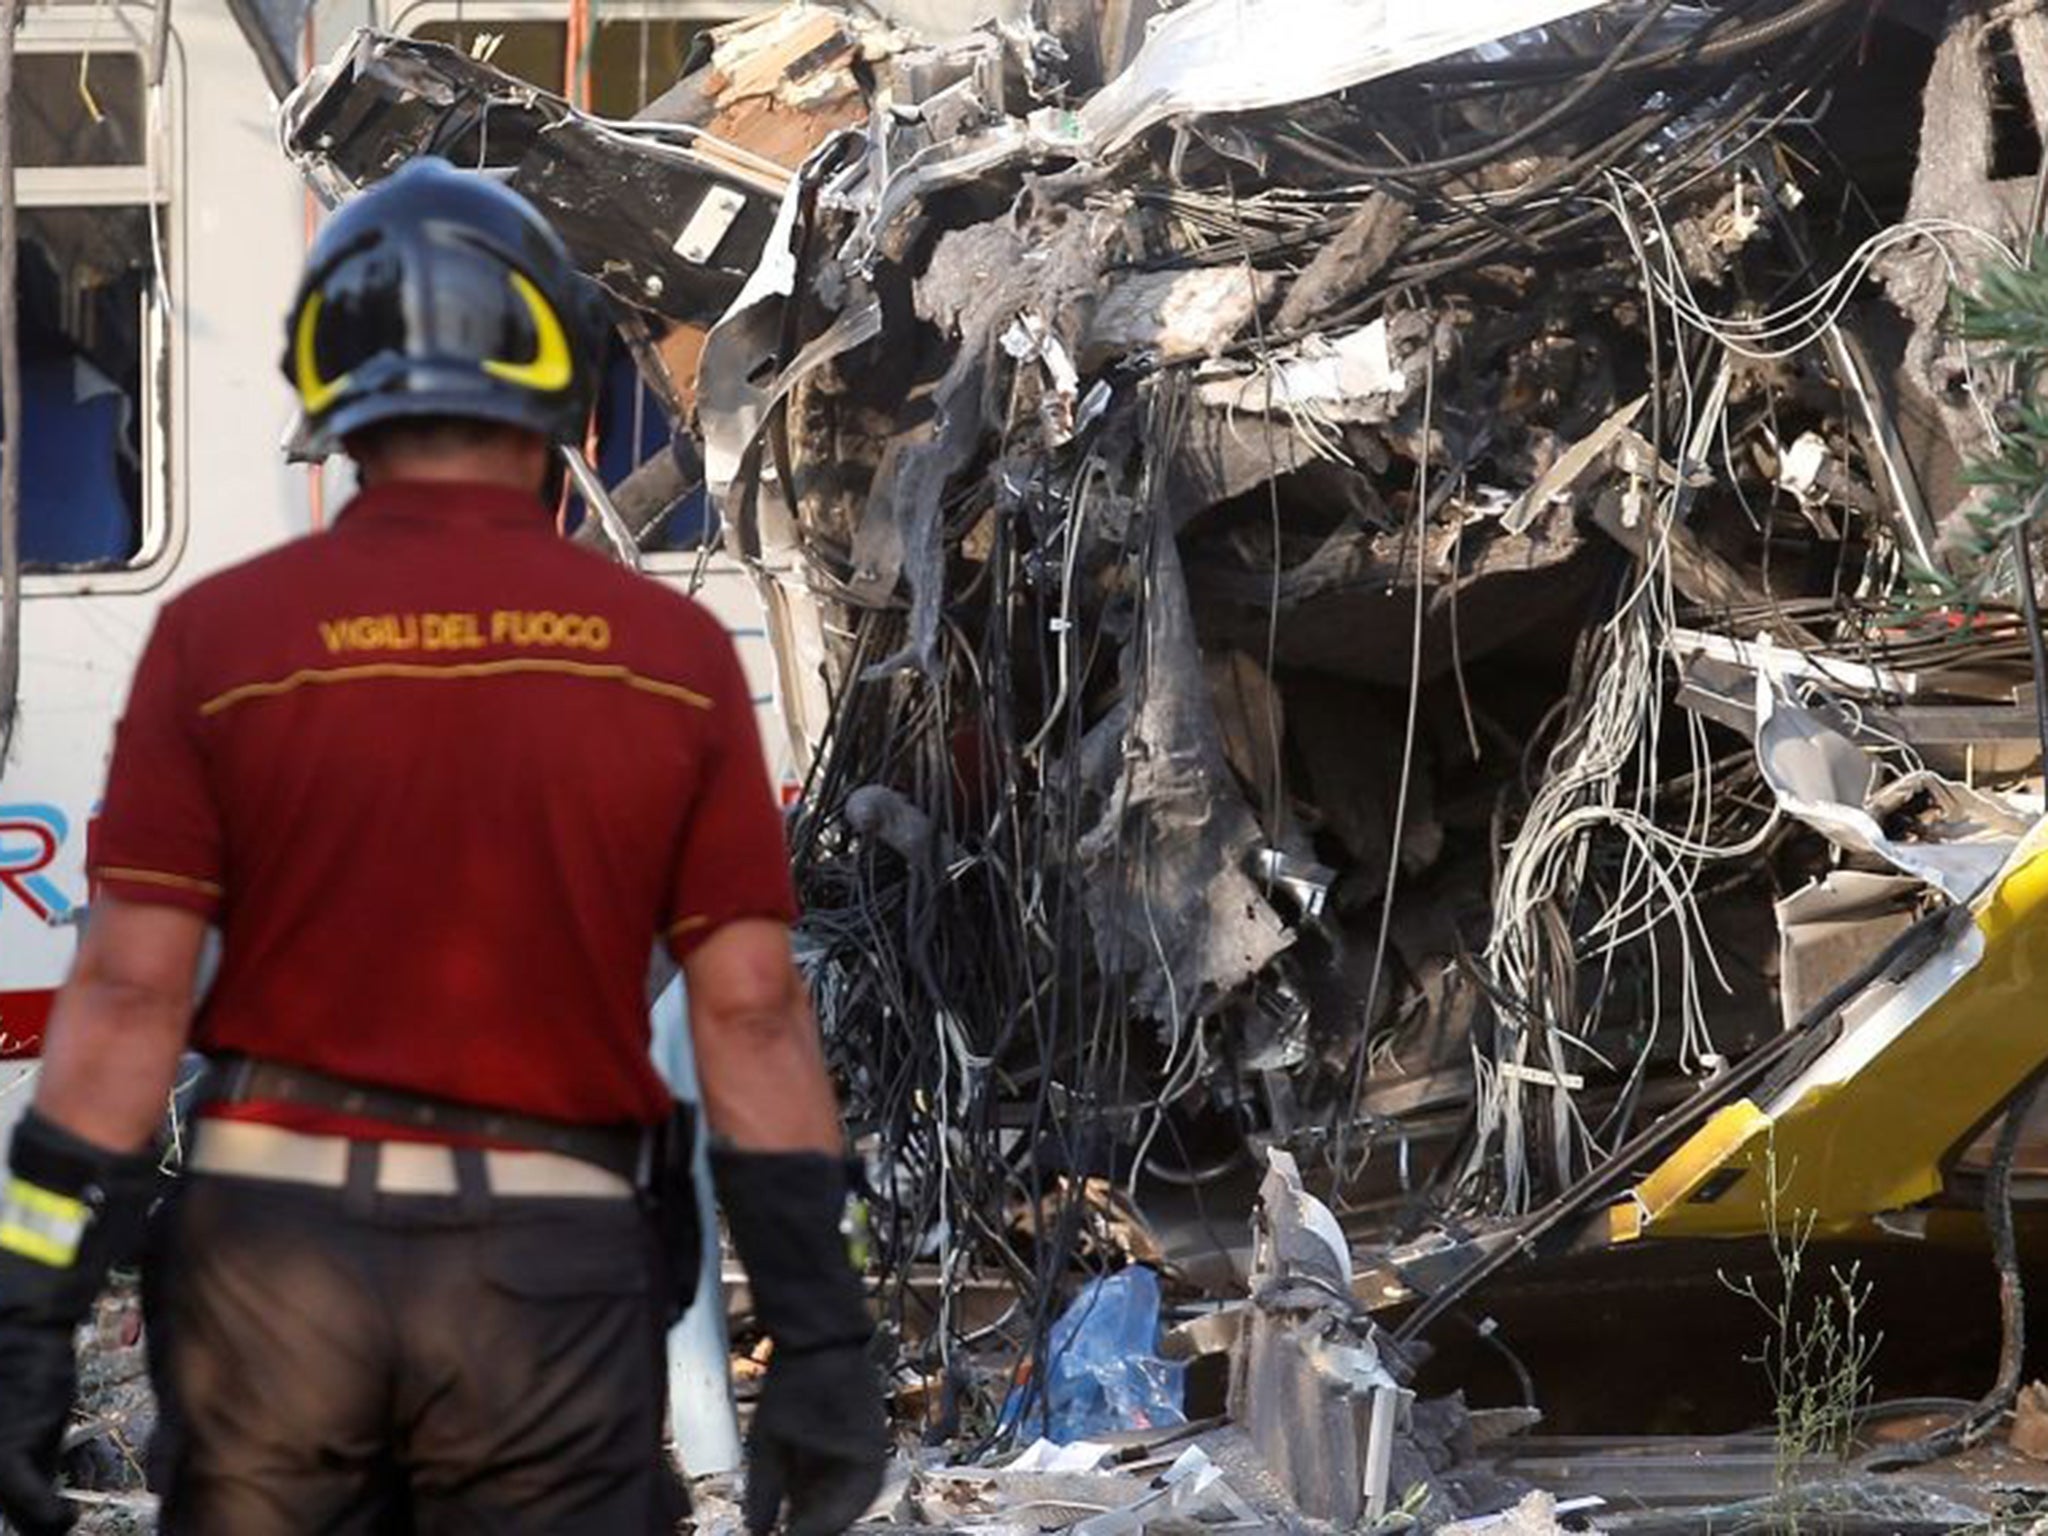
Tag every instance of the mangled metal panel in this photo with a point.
(662, 224)
(1822, 777)
(1217, 56)
(1234, 544)
(1314, 1386)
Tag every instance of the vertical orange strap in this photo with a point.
(576, 81)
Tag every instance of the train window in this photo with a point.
(88, 294)
(534, 51)
(634, 61)
(630, 61)
(87, 280)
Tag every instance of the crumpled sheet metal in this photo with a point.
(659, 224)
(739, 387)
(1829, 929)
(1167, 862)
(1068, 1487)
(1508, 511)
(960, 313)
(1307, 1377)
(1824, 779)
(1239, 55)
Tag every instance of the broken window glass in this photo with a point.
(87, 278)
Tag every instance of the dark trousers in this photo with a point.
(334, 1364)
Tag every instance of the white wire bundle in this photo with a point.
(1600, 785)
(1599, 791)
(1600, 781)
(1791, 329)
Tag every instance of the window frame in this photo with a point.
(124, 28)
(408, 18)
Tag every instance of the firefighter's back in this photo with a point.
(456, 759)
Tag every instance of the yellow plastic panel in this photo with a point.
(1866, 1130)
(1708, 1149)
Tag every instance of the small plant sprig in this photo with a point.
(1816, 1354)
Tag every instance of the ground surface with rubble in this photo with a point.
(1414, 640)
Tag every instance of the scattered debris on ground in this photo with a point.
(1390, 618)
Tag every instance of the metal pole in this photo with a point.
(2030, 606)
(10, 394)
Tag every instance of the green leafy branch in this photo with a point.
(2007, 315)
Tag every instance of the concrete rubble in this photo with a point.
(1346, 609)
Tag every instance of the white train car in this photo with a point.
(162, 233)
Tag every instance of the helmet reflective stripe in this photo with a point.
(440, 293)
(551, 367)
(315, 393)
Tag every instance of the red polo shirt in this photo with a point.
(442, 779)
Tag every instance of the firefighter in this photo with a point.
(441, 780)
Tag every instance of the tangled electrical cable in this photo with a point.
(1006, 1002)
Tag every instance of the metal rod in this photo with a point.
(597, 503)
(1974, 1425)
(10, 394)
(2037, 647)
(270, 55)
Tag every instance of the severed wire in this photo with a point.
(1347, 1110)
(980, 1011)
(1794, 328)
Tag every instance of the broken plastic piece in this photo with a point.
(1103, 1371)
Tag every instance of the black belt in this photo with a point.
(622, 1149)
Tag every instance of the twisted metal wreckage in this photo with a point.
(1336, 582)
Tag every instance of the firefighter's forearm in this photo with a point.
(760, 1064)
(764, 1083)
(111, 1051)
(109, 1060)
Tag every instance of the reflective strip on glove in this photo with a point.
(857, 1228)
(41, 1225)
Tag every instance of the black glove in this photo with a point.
(69, 1212)
(820, 1438)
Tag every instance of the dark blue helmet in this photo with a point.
(440, 292)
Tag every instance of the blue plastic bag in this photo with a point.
(1103, 1371)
